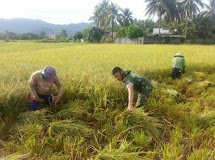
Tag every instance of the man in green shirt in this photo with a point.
(178, 66)
(134, 82)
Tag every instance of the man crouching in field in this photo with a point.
(41, 86)
(178, 66)
(134, 82)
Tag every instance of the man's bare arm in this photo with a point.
(33, 89)
(60, 89)
(131, 98)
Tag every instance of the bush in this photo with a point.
(133, 31)
(106, 40)
(48, 41)
(93, 35)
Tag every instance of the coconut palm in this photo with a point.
(159, 7)
(126, 17)
(180, 10)
(100, 13)
(174, 12)
(191, 7)
(210, 13)
(105, 14)
(96, 17)
(113, 14)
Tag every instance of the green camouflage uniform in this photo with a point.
(142, 85)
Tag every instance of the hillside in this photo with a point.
(21, 25)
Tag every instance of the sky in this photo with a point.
(63, 11)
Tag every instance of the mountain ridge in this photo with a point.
(23, 25)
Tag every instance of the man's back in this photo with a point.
(179, 62)
(139, 82)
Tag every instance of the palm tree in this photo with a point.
(113, 13)
(159, 7)
(126, 17)
(180, 10)
(191, 8)
(100, 13)
(210, 13)
(96, 17)
(171, 14)
(174, 12)
(105, 14)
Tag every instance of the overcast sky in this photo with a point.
(63, 11)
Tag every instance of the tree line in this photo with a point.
(8, 36)
(187, 16)
(11, 36)
(182, 11)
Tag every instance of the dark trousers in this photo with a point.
(46, 98)
(176, 73)
(142, 99)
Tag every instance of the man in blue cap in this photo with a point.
(41, 86)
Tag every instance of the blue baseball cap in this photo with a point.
(49, 73)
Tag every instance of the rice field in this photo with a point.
(91, 121)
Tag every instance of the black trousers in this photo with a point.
(176, 73)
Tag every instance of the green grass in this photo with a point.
(11, 47)
(91, 122)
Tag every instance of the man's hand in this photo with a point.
(57, 99)
(38, 99)
(131, 108)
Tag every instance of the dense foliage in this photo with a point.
(24, 36)
(183, 15)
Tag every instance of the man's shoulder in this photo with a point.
(57, 78)
(36, 74)
(178, 58)
(127, 78)
(136, 76)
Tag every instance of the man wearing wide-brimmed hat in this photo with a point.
(178, 66)
(41, 86)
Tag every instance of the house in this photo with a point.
(52, 36)
(109, 34)
(163, 31)
(173, 39)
